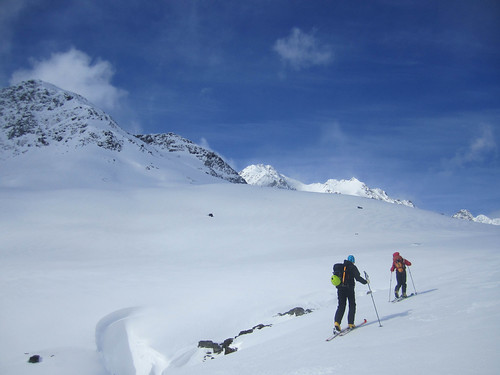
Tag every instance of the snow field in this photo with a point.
(127, 281)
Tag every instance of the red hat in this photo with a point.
(395, 255)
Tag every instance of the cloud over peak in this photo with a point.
(75, 71)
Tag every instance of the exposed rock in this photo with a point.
(218, 348)
(258, 326)
(297, 311)
(35, 359)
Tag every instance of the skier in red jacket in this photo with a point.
(399, 264)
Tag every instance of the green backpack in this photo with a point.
(339, 277)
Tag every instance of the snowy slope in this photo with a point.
(266, 175)
(128, 281)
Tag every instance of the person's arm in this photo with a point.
(358, 277)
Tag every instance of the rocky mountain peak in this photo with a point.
(38, 114)
(35, 115)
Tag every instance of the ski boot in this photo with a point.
(351, 326)
(337, 326)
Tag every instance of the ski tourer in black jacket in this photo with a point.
(346, 293)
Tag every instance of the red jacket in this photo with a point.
(399, 264)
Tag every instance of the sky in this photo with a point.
(403, 95)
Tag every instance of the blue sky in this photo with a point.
(403, 95)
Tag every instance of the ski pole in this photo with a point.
(371, 294)
(390, 288)
(411, 277)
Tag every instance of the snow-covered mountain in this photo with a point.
(54, 130)
(266, 175)
(464, 214)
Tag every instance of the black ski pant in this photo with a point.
(401, 281)
(345, 294)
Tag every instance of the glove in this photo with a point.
(367, 280)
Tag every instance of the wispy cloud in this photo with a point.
(75, 71)
(479, 150)
(302, 50)
(204, 143)
(332, 134)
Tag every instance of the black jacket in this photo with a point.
(352, 274)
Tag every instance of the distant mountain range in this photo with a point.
(266, 175)
(466, 215)
(53, 138)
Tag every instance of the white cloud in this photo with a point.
(301, 50)
(75, 71)
(479, 148)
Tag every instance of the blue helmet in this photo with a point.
(350, 258)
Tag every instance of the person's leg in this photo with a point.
(352, 306)
(341, 294)
(403, 282)
(399, 284)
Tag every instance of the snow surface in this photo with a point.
(127, 280)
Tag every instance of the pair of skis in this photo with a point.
(345, 331)
(402, 298)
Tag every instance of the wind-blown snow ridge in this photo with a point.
(41, 121)
(266, 175)
(124, 351)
